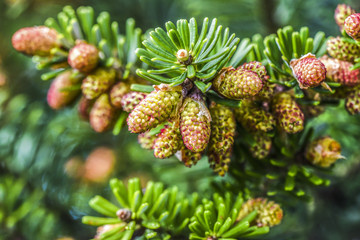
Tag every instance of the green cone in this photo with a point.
(222, 138)
(288, 113)
(160, 105)
(237, 83)
(98, 82)
(195, 124)
(168, 142)
(252, 117)
(102, 114)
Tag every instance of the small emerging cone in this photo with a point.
(83, 57)
(59, 94)
(352, 26)
(158, 106)
(98, 82)
(147, 140)
(343, 50)
(103, 230)
(117, 92)
(352, 102)
(253, 118)
(35, 40)
(130, 100)
(187, 157)
(221, 138)
(168, 142)
(261, 147)
(288, 113)
(269, 213)
(339, 72)
(237, 83)
(308, 70)
(342, 11)
(323, 152)
(102, 114)
(195, 124)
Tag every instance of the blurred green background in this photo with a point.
(49, 161)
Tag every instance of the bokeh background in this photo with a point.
(52, 163)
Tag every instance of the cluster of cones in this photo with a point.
(344, 52)
(104, 92)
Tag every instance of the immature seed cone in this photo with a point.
(253, 118)
(188, 157)
(269, 213)
(352, 102)
(147, 140)
(195, 124)
(352, 26)
(35, 40)
(83, 57)
(98, 82)
(261, 146)
(59, 95)
(343, 50)
(117, 92)
(308, 71)
(323, 152)
(130, 100)
(237, 83)
(342, 11)
(168, 142)
(288, 113)
(156, 108)
(339, 71)
(222, 138)
(102, 114)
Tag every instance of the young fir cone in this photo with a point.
(187, 157)
(157, 107)
(237, 83)
(253, 118)
(147, 140)
(102, 114)
(130, 100)
(288, 113)
(269, 213)
(342, 11)
(323, 152)
(267, 91)
(339, 71)
(352, 102)
(308, 71)
(84, 107)
(83, 57)
(117, 92)
(35, 40)
(221, 138)
(343, 50)
(58, 95)
(261, 147)
(98, 82)
(168, 142)
(195, 124)
(352, 26)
